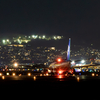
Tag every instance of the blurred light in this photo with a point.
(65, 74)
(7, 73)
(44, 75)
(60, 71)
(73, 62)
(40, 74)
(15, 64)
(0, 74)
(29, 74)
(3, 41)
(7, 40)
(78, 79)
(59, 59)
(93, 74)
(43, 36)
(47, 74)
(60, 76)
(96, 74)
(13, 74)
(49, 71)
(26, 41)
(20, 74)
(83, 61)
(3, 77)
(73, 74)
(34, 78)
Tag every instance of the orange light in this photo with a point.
(13, 74)
(3, 77)
(29, 74)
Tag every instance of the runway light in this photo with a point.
(83, 61)
(59, 60)
(93, 74)
(34, 78)
(15, 64)
(40, 74)
(96, 74)
(78, 79)
(7, 73)
(13, 74)
(73, 74)
(0, 74)
(3, 77)
(44, 75)
(65, 74)
(20, 74)
(29, 74)
(47, 74)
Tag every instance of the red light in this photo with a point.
(60, 72)
(59, 60)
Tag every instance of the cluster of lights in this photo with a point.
(20, 40)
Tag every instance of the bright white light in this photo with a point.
(43, 36)
(83, 61)
(54, 37)
(7, 73)
(33, 36)
(4, 41)
(73, 62)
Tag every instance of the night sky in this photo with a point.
(78, 19)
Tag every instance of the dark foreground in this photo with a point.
(57, 82)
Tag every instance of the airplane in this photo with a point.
(60, 65)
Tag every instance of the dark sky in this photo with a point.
(78, 19)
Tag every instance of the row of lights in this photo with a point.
(29, 74)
